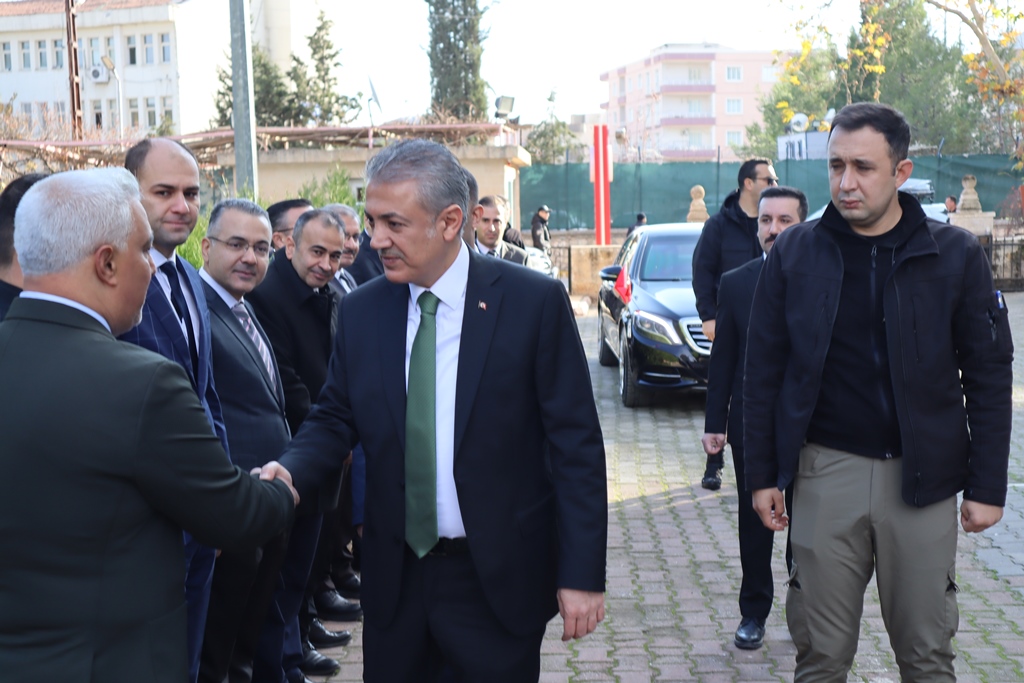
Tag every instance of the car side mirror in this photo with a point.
(610, 273)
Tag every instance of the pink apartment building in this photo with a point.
(687, 102)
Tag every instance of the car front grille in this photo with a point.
(695, 337)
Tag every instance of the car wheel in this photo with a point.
(628, 389)
(604, 354)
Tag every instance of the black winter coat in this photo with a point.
(729, 240)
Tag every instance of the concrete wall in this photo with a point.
(585, 264)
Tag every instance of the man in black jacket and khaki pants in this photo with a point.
(880, 380)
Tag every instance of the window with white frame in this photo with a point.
(6, 57)
(61, 110)
(97, 114)
(165, 48)
(133, 111)
(168, 109)
(81, 55)
(108, 43)
(733, 105)
(734, 138)
(112, 113)
(43, 55)
(94, 52)
(770, 73)
(26, 55)
(58, 53)
(26, 111)
(133, 50)
(149, 48)
(151, 112)
(734, 74)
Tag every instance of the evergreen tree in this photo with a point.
(270, 92)
(455, 54)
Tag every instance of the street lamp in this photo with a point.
(109, 63)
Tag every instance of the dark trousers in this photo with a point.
(243, 588)
(757, 588)
(282, 618)
(444, 622)
(199, 561)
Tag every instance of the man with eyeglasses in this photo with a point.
(236, 253)
(728, 241)
(297, 307)
(283, 216)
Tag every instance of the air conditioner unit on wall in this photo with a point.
(99, 74)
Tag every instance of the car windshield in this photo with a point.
(668, 258)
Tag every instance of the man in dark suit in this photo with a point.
(236, 251)
(10, 271)
(298, 310)
(490, 218)
(101, 482)
(474, 537)
(779, 208)
(176, 323)
(283, 216)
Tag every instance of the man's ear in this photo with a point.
(449, 222)
(289, 246)
(903, 171)
(105, 264)
(477, 214)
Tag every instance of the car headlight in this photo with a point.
(656, 328)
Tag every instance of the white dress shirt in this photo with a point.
(481, 249)
(450, 288)
(186, 287)
(224, 294)
(43, 296)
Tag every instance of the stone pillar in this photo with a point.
(698, 209)
(969, 214)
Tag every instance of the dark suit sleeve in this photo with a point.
(576, 446)
(707, 269)
(213, 400)
(762, 382)
(327, 434)
(724, 358)
(184, 473)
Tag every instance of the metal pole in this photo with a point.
(75, 105)
(243, 114)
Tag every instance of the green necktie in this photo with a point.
(420, 436)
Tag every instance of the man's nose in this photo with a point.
(181, 204)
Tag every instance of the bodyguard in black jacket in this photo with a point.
(879, 381)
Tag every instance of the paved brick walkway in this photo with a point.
(673, 565)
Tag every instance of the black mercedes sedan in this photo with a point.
(647, 314)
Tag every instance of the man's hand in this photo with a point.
(975, 516)
(712, 443)
(709, 329)
(581, 611)
(770, 506)
(273, 470)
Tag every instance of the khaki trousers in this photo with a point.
(849, 520)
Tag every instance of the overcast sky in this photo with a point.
(535, 47)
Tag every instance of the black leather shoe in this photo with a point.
(332, 607)
(750, 634)
(349, 586)
(316, 664)
(297, 676)
(321, 637)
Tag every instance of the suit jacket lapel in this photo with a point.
(391, 342)
(203, 324)
(483, 302)
(165, 316)
(275, 386)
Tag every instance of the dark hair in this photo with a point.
(474, 194)
(9, 200)
(278, 210)
(791, 192)
(495, 201)
(882, 118)
(641, 216)
(953, 197)
(748, 169)
(325, 217)
(135, 158)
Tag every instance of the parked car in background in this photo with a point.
(922, 190)
(539, 261)
(647, 314)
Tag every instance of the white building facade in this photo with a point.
(165, 53)
(687, 102)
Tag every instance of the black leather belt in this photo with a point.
(450, 547)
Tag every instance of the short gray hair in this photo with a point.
(339, 211)
(63, 218)
(440, 179)
(246, 206)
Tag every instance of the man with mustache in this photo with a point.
(880, 383)
(779, 208)
(297, 307)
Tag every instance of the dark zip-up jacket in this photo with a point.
(950, 355)
(728, 240)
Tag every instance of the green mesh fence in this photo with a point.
(662, 191)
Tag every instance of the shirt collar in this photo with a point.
(450, 288)
(224, 294)
(159, 259)
(44, 296)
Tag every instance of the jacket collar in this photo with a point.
(917, 241)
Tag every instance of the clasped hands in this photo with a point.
(273, 470)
